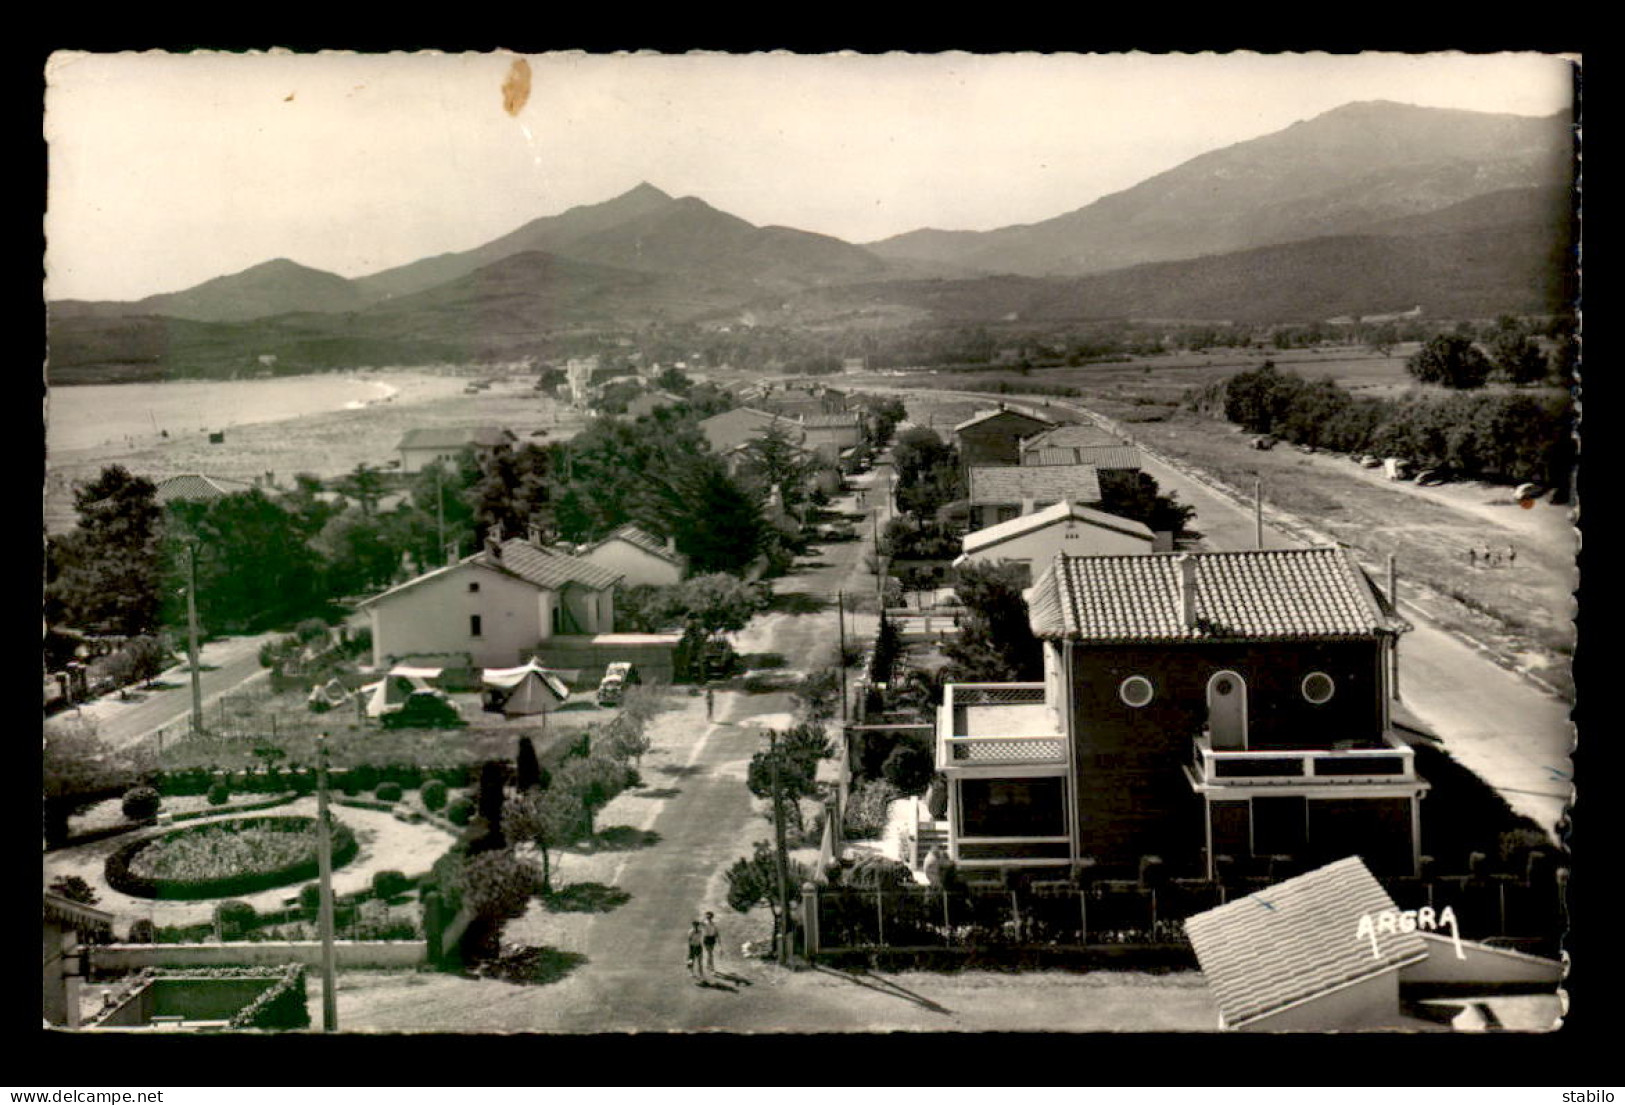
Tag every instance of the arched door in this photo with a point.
(1227, 711)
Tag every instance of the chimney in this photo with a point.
(1187, 590)
(671, 545)
(493, 544)
(1027, 505)
(535, 534)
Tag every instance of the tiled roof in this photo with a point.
(1296, 941)
(825, 421)
(456, 438)
(643, 539)
(731, 429)
(195, 485)
(549, 569)
(1271, 594)
(75, 915)
(984, 416)
(1101, 456)
(1085, 434)
(1052, 483)
(981, 539)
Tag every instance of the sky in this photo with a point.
(166, 170)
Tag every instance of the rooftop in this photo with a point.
(1271, 594)
(643, 539)
(1008, 483)
(734, 428)
(1083, 434)
(979, 540)
(457, 437)
(1296, 941)
(194, 485)
(1101, 456)
(985, 416)
(547, 568)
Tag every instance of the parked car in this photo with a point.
(1264, 441)
(1527, 491)
(1369, 461)
(1431, 477)
(617, 677)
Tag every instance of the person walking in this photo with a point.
(1512, 555)
(709, 932)
(1472, 558)
(696, 943)
(710, 703)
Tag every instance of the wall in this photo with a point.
(1369, 1004)
(433, 617)
(1133, 796)
(347, 953)
(636, 565)
(997, 440)
(1073, 537)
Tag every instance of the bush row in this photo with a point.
(302, 779)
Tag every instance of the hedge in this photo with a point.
(121, 878)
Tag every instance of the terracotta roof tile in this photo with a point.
(1297, 940)
(1043, 484)
(550, 569)
(1101, 456)
(1272, 594)
(643, 539)
(1083, 434)
(978, 540)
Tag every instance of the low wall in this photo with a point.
(347, 953)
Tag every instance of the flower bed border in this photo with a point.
(121, 878)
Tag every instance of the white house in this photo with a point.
(1065, 528)
(637, 556)
(493, 607)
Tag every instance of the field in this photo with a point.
(326, 444)
(1521, 609)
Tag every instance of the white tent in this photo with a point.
(530, 689)
(391, 692)
(325, 696)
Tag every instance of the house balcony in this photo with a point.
(1387, 760)
(997, 725)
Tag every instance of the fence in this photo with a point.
(1115, 913)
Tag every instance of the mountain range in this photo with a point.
(1369, 207)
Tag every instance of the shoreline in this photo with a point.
(326, 444)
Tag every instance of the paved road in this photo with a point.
(228, 663)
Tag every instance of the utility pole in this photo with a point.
(779, 852)
(1258, 512)
(324, 867)
(440, 506)
(191, 636)
(1393, 600)
(840, 612)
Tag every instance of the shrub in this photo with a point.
(310, 898)
(909, 768)
(389, 792)
(936, 800)
(363, 777)
(141, 803)
(867, 808)
(387, 884)
(219, 793)
(434, 794)
(235, 916)
(460, 811)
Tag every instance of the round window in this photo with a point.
(1135, 690)
(1318, 687)
(1224, 686)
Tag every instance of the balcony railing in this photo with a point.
(987, 724)
(1392, 761)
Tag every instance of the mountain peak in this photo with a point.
(645, 191)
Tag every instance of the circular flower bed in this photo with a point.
(225, 859)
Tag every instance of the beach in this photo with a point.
(324, 425)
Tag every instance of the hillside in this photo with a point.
(1339, 173)
(274, 288)
(1474, 273)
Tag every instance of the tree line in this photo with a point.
(1516, 436)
